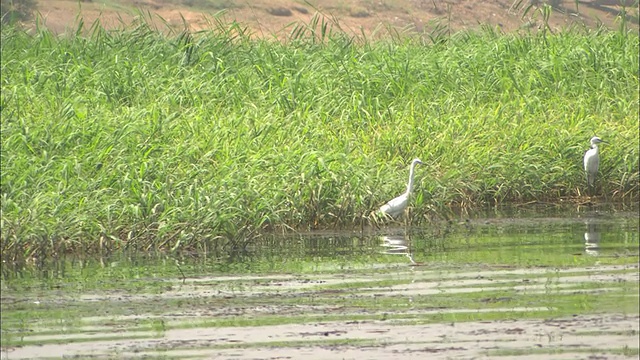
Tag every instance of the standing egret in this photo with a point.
(396, 206)
(591, 163)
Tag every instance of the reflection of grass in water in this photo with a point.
(156, 277)
(25, 341)
(365, 307)
(487, 245)
(305, 343)
(239, 293)
(355, 288)
(158, 325)
(395, 309)
(625, 350)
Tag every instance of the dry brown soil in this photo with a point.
(269, 17)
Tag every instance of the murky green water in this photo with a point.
(523, 265)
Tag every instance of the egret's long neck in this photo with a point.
(410, 184)
(595, 147)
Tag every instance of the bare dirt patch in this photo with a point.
(270, 17)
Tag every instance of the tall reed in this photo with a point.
(137, 139)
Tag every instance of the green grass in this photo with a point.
(137, 140)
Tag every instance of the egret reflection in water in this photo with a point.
(591, 238)
(397, 245)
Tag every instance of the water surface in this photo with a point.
(496, 277)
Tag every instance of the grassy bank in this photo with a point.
(134, 138)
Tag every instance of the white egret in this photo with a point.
(395, 207)
(591, 162)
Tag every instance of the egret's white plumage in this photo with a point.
(396, 206)
(592, 161)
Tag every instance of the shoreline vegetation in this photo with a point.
(141, 139)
